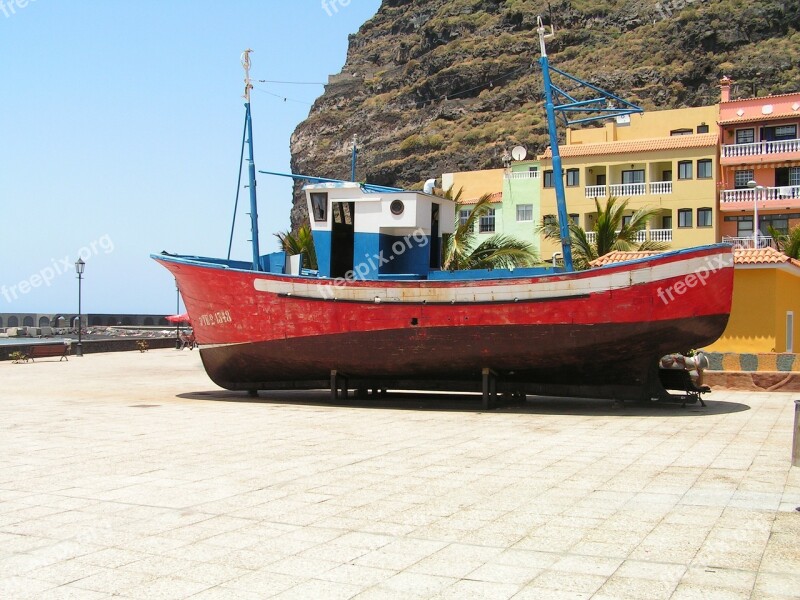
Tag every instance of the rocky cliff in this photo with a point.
(431, 86)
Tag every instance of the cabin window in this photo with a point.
(397, 207)
(573, 177)
(685, 217)
(745, 136)
(684, 169)
(740, 178)
(704, 168)
(524, 212)
(548, 179)
(704, 217)
(319, 205)
(486, 224)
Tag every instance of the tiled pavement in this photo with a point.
(131, 475)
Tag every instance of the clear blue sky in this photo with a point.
(120, 131)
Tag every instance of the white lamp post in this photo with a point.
(758, 189)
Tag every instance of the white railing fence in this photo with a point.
(758, 148)
(785, 192)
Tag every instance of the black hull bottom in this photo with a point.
(618, 361)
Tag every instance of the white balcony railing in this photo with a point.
(654, 235)
(759, 148)
(748, 243)
(595, 191)
(660, 187)
(523, 175)
(786, 192)
(628, 189)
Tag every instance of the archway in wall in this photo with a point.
(44, 322)
(13, 321)
(27, 321)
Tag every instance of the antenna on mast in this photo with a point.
(246, 64)
(543, 35)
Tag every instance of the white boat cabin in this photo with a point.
(371, 233)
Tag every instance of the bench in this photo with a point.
(679, 379)
(48, 350)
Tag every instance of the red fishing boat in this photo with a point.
(380, 313)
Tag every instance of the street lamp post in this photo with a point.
(79, 267)
(757, 189)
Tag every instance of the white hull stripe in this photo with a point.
(504, 290)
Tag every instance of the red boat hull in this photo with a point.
(597, 332)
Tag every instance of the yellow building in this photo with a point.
(766, 298)
(667, 160)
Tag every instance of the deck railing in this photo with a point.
(785, 192)
(628, 189)
(748, 243)
(654, 235)
(523, 175)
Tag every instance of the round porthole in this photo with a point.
(397, 207)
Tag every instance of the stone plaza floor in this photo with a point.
(131, 475)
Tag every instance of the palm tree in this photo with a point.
(611, 232)
(788, 243)
(301, 242)
(461, 250)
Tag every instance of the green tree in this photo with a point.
(788, 243)
(301, 242)
(611, 232)
(461, 250)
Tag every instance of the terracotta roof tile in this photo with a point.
(705, 140)
(741, 256)
(496, 197)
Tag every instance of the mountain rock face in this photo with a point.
(433, 86)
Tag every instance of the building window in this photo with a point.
(533, 169)
(684, 169)
(626, 220)
(463, 216)
(548, 179)
(704, 168)
(779, 133)
(573, 177)
(574, 217)
(704, 217)
(702, 128)
(794, 175)
(675, 132)
(779, 223)
(666, 222)
(740, 178)
(486, 224)
(685, 217)
(636, 176)
(524, 212)
(319, 205)
(745, 136)
(549, 220)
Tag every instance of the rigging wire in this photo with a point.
(284, 98)
(291, 82)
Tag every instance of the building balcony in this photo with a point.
(595, 191)
(748, 243)
(628, 189)
(658, 188)
(654, 235)
(760, 152)
(522, 175)
(782, 197)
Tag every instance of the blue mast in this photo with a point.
(607, 104)
(353, 159)
(251, 165)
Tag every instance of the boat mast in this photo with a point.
(599, 106)
(558, 180)
(251, 165)
(353, 159)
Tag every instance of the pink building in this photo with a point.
(759, 143)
